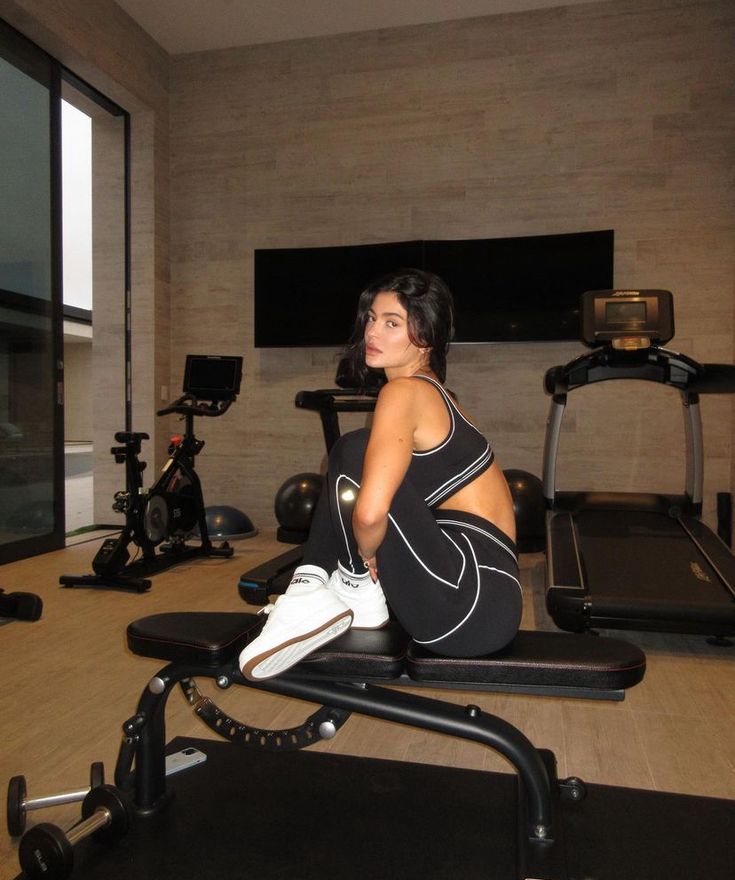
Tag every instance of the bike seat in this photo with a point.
(130, 437)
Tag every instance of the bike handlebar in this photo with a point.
(188, 404)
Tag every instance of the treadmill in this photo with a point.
(635, 561)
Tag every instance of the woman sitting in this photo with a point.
(415, 510)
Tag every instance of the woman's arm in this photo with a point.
(387, 459)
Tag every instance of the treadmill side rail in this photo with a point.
(564, 564)
(566, 593)
(714, 550)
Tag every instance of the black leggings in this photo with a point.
(451, 578)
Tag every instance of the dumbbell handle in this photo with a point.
(99, 819)
(54, 800)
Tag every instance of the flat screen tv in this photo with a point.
(505, 289)
(308, 296)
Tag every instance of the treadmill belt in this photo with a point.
(646, 561)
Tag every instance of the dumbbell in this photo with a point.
(19, 805)
(21, 606)
(48, 852)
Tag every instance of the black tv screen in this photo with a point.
(505, 289)
(308, 296)
(528, 288)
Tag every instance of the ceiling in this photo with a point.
(181, 26)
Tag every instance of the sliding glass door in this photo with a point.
(64, 357)
(31, 361)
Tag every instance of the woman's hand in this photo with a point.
(371, 565)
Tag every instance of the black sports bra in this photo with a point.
(463, 455)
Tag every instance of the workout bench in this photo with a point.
(346, 676)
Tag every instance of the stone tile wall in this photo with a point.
(608, 115)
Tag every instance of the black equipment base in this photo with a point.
(306, 815)
(133, 576)
(106, 582)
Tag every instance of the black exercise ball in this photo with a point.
(295, 504)
(529, 508)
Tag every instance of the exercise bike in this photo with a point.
(160, 520)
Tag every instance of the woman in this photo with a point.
(415, 509)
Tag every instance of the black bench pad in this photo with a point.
(213, 638)
(370, 653)
(545, 659)
(201, 638)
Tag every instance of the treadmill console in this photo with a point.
(627, 319)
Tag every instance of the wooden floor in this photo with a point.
(69, 682)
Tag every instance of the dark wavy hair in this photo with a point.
(430, 309)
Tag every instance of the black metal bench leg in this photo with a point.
(466, 722)
(540, 847)
(144, 738)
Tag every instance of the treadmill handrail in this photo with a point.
(654, 364)
(336, 400)
(716, 379)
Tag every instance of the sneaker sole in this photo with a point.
(282, 657)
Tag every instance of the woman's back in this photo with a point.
(452, 462)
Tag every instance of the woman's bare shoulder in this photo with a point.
(399, 387)
(408, 388)
(423, 399)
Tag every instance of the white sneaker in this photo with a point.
(303, 619)
(364, 597)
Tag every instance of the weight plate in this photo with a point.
(16, 815)
(45, 852)
(109, 798)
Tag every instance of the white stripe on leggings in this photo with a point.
(469, 613)
(465, 525)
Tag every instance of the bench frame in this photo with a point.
(540, 845)
(326, 681)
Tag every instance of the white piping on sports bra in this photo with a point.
(450, 485)
(452, 408)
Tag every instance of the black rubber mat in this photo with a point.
(299, 815)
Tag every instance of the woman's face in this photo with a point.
(387, 343)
